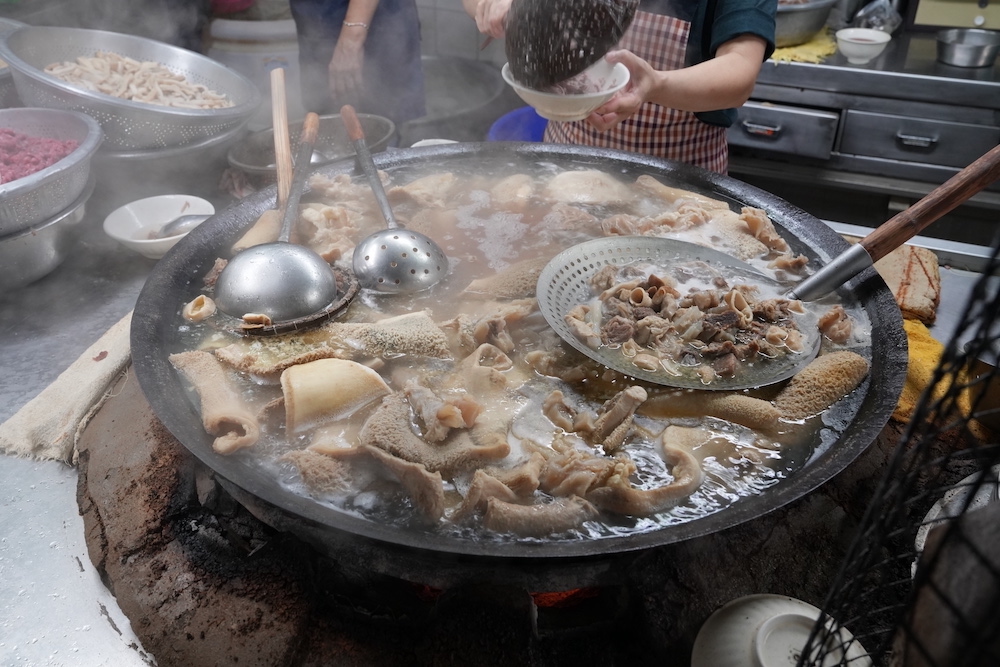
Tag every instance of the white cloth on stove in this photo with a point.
(49, 425)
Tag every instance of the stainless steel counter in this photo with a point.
(907, 70)
(860, 142)
(54, 610)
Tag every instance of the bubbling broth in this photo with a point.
(458, 411)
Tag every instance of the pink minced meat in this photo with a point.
(21, 155)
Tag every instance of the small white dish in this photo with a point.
(861, 45)
(604, 76)
(133, 224)
(765, 631)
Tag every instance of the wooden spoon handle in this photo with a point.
(364, 158)
(905, 225)
(282, 144)
(290, 211)
(310, 129)
(351, 123)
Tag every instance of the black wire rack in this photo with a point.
(920, 584)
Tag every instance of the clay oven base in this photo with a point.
(204, 583)
(200, 587)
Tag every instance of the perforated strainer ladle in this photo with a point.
(395, 259)
(565, 282)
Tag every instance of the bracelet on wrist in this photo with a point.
(355, 24)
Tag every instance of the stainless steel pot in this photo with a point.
(464, 97)
(32, 253)
(849, 426)
(961, 47)
(797, 23)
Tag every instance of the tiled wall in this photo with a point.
(447, 30)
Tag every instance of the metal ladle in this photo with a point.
(282, 280)
(395, 259)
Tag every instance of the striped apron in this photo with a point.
(653, 129)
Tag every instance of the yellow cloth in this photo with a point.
(815, 50)
(924, 356)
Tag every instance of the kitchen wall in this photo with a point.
(446, 29)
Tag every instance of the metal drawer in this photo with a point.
(916, 139)
(783, 129)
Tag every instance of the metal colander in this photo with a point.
(127, 125)
(920, 583)
(8, 93)
(37, 197)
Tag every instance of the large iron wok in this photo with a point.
(849, 426)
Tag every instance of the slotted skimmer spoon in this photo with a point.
(549, 41)
(565, 282)
(395, 259)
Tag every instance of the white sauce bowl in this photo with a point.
(134, 223)
(861, 45)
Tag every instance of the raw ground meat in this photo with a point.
(21, 155)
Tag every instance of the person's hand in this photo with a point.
(491, 17)
(345, 69)
(628, 100)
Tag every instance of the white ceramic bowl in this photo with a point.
(567, 106)
(861, 45)
(768, 631)
(132, 224)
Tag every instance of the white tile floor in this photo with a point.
(54, 609)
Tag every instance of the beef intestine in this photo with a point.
(581, 84)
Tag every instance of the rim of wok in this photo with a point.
(857, 420)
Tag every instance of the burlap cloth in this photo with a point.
(50, 424)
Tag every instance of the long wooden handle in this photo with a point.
(905, 225)
(282, 144)
(357, 135)
(307, 141)
(351, 123)
(310, 129)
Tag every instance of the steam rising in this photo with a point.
(177, 22)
